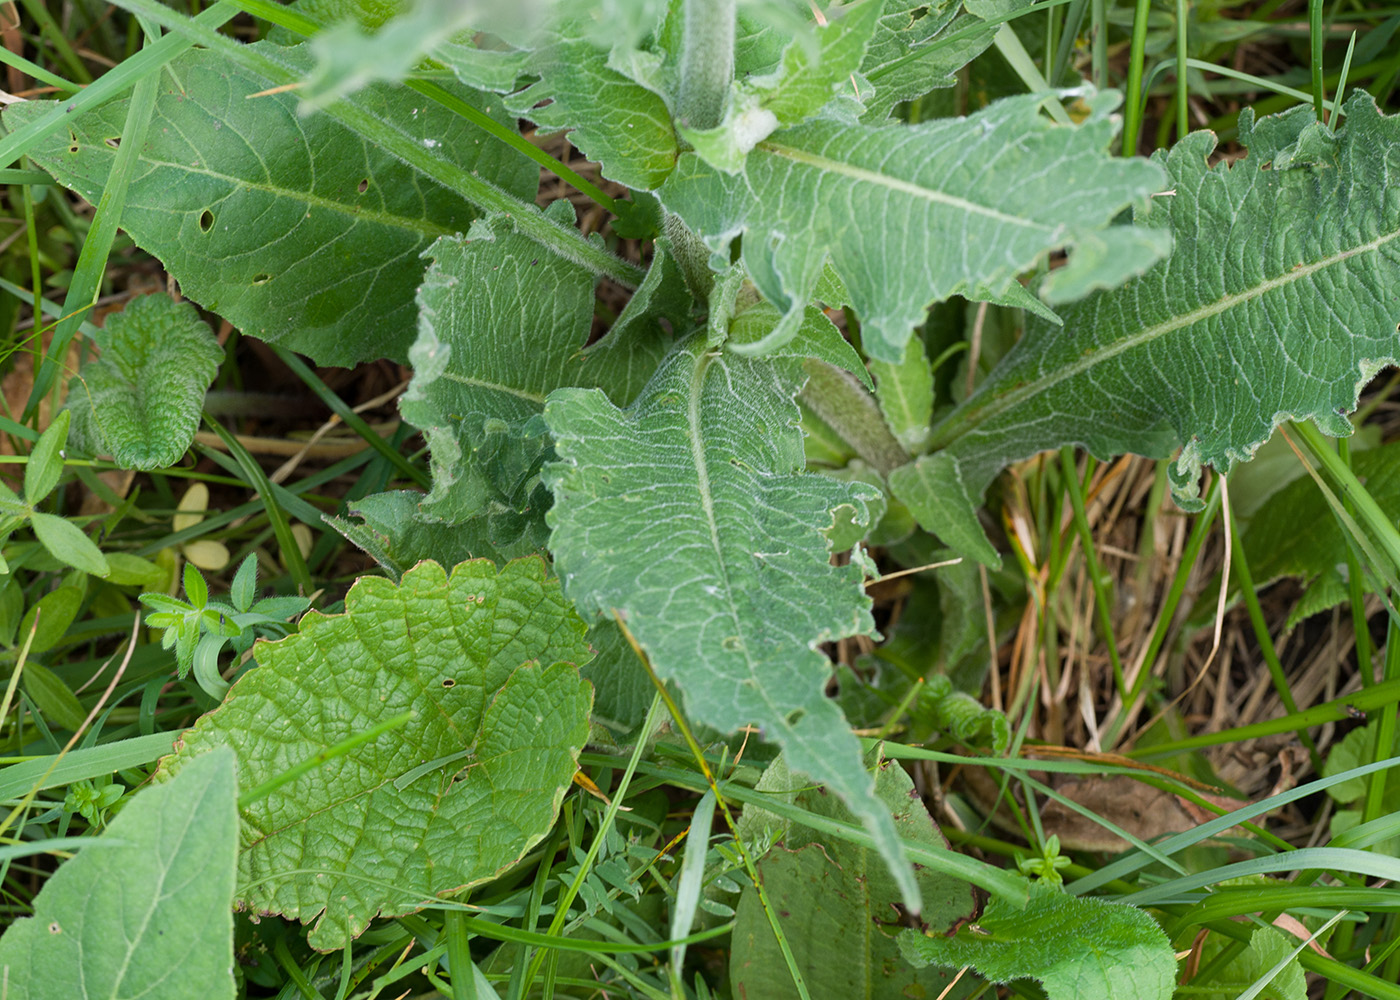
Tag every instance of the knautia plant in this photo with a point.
(650, 461)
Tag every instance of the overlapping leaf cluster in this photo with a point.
(654, 451)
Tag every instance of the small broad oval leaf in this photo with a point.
(460, 793)
(140, 401)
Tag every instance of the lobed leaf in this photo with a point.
(140, 402)
(1077, 948)
(686, 516)
(145, 911)
(1279, 302)
(911, 215)
(502, 323)
(297, 230)
(483, 660)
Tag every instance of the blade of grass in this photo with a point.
(294, 20)
(340, 749)
(1008, 43)
(49, 29)
(1316, 39)
(529, 220)
(353, 420)
(112, 83)
(1103, 606)
(286, 541)
(38, 72)
(1134, 105)
(566, 899)
(1382, 530)
(86, 282)
(1262, 636)
(1342, 81)
(1183, 111)
(1356, 590)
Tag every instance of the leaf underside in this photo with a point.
(484, 660)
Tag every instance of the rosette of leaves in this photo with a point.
(484, 661)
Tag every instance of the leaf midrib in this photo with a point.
(351, 212)
(867, 176)
(957, 425)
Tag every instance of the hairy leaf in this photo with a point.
(1001, 189)
(915, 49)
(296, 229)
(837, 902)
(686, 516)
(502, 323)
(1279, 301)
(1078, 949)
(145, 911)
(140, 401)
(448, 801)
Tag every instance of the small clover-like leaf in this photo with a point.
(483, 660)
(66, 542)
(45, 465)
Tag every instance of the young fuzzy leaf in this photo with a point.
(298, 230)
(144, 395)
(1280, 301)
(918, 47)
(147, 910)
(462, 792)
(1002, 188)
(688, 517)
(502, 323)
(1078, 949)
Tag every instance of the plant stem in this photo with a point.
(1316, 38)
(707, 61)
(1132, 112)
(1382, 529)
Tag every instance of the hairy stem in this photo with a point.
(707, 61)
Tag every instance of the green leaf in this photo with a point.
(484, 661)
(687, 516)
(67, 543)
(144, 395)
(905, 392)
(45, 465)
(1295, 533)
(54, 699)
(1077, 948)
(1278, 302)
(146, 912)
(934, 490)
(817, 337)
(614, 121)
(128, 570)
(1267, 947)
(397, 538)
(837, 902)
(807, 77)
(298, 230)
(502, 323)
(55, 611)
(884, 205)
(914, 50)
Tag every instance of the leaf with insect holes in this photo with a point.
(688, 517)
(485, 661)
(1077, 948)
(141, 400)
(145, 910)
(1279, 302)
(1005, 187)
(298, 230)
